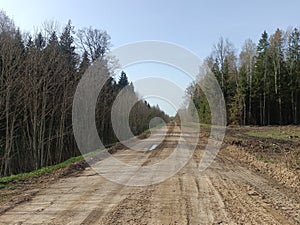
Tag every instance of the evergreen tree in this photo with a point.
(261, 77)
(123, 80)
(265, 89)
(19, 41)
(278, 79)
(53, 40)
(67, 45)
(293, 70)
(40, 42)
(84, 64)
(29, 42)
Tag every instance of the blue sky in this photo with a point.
(196, 25)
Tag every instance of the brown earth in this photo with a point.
(238, 188)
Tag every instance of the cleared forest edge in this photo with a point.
(279, 171)
(273, 151)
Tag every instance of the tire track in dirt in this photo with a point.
(250, 198)
(68, 214)
(134, 209)
(156, 154)
(99, 211)
(245, 208)
(210, 208)
(185, 202)
(280, 197)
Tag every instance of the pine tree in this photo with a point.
(19, 41)
(40, 42)
(123, 81)
(67, 45)
(276, 55)
(261, 87)
(29, 42)
(85, 62)
(53, 40)
(293, 70)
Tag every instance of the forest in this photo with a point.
(39, 74)
(260, 84)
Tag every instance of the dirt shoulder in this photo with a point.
(273, 151)
(20, 191)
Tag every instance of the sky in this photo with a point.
(194, 24)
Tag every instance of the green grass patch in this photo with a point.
(48, 169)
(274, 133)
(236, 139)
(265, 160)
(39, 172)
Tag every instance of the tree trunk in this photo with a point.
(296, 107)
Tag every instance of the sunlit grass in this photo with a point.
(276, 133)
(39, 172)
(44, 170)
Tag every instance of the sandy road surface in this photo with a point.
(226, 193)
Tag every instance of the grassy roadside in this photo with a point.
(4, 181)
(18, 188)
(274, 133)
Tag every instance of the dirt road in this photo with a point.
(226, 193)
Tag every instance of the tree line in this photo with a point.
(261, 84)
(39, 74)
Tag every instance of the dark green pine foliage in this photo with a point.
(261, 74)
(19, 41)
(40, 42)
(53, 49)
(85, 63)
(123, 80)
(278, 81)
(68, 47)
(293, 72)
(245, 94)
(53, 40)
